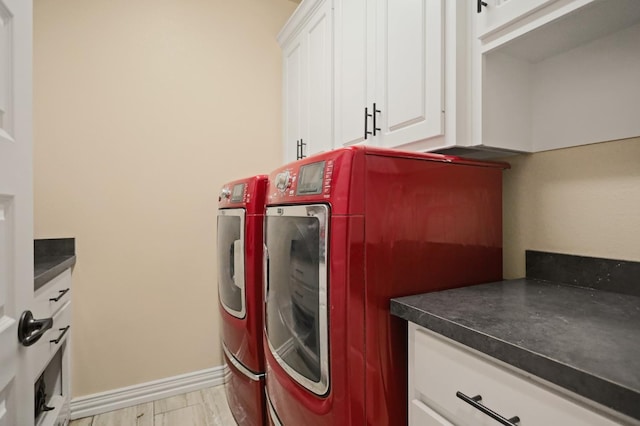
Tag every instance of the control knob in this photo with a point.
(225, 193)
(283, 180)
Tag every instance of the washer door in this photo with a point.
(231, 288)
(296, 287)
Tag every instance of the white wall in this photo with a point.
(142, 110)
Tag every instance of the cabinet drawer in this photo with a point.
(420, 414)
(443, 368)
(59, 416)
(55, 338)
(52, 296)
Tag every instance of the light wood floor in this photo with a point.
(206, 407)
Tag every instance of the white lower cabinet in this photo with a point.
(51, 297)
(440, 370)
(43, 351)
(49, 358)
(421, 414)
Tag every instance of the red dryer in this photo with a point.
(346, 231)
(240, 232)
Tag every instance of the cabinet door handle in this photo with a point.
(30, 330)
(474, 401)
(302, 145)
(366, 123)
(480, 4)
(64, 331)
(62, 293)
(376, 111)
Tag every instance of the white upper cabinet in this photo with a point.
(292, 94)
(307, 47)
(389, 71)
(409, 71)
(387, 66)
(551, 74)
(354, 68)
(319, 85)
(436, 75)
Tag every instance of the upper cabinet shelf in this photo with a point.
(553, 74)
(544, 28)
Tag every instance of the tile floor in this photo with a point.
(206, 407)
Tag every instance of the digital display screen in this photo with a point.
(310, 179)
(238, 192)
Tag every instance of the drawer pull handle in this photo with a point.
(64, 331)
(475, 403)
(62, 293)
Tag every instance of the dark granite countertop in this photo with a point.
(582, 339)
(50, 258)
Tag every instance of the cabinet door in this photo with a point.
(317, 96)
(292, 98)
(409, 71)
(354, 67)
(499, 13)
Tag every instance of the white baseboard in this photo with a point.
(115, 399)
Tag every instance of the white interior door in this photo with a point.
(16, 207)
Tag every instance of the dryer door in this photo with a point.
(231, 289)
(296, 292)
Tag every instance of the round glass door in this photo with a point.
(231, 261)
(296, 292)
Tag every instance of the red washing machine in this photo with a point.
(346, 231)
(240, 259)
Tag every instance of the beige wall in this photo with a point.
(142, 110)
(583, 200)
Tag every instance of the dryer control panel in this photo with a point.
(311, 179)
(233, 194)
(305, 180)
